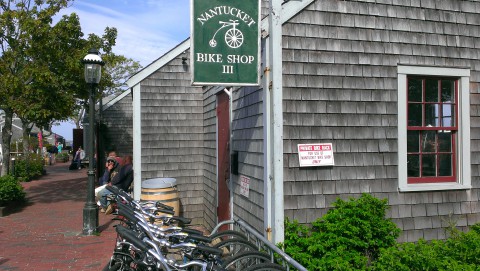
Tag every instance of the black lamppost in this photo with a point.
(93, 71)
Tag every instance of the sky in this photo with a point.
(147, 29)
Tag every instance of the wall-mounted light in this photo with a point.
(184, 60)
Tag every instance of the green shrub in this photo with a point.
(29, 167)
(296, 241)
(459, 252)
(348, 237)
(10, 190)
(64, 157)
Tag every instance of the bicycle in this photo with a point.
(233, 37)
(166, 244)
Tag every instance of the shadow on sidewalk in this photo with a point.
(58, 190)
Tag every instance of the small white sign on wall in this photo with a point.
(244, 186)
(314, 155)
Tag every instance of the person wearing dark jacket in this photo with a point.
(112, 169)
(122, 179)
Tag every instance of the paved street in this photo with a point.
(45, 234)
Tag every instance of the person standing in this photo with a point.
(52, 150)
(59, 147)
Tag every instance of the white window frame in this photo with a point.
(463, 136)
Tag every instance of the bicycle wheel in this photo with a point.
(225, 235)
(112, 266)
(266, 267)
(234, 246)
(245, 259)
(234, 38)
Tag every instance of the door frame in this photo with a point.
(224, 91)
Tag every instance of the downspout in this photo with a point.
(267, 147)
(137, 142)
(275, 46)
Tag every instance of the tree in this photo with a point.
(41, 75)
(120, 69)
(23, 24)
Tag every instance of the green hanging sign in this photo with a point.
(225, 42)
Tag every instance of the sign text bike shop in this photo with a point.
(225, 46)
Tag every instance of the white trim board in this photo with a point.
(116, 99)
(463, 142)
(289, 9)
(160, 62)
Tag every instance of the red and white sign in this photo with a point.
(244, 186)
(314, 155)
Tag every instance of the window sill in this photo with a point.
(433, 187)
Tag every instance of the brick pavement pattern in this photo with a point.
(46, 233)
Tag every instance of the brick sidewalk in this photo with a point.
(45, 234)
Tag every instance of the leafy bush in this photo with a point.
(62, 156)
(10, 190)
(348, 237)
(459, 252)
(356, 236)
(29, 167)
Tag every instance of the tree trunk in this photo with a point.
(26, 137)
(6, 139)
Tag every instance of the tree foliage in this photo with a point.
(41, 74)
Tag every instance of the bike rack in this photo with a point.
(261, 242)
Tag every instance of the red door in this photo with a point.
(223, 166)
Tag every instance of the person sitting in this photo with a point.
(77, 159)
(122, 179)
(106, 174)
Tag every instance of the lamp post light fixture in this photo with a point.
(93, 70)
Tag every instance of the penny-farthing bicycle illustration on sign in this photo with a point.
(233, 36)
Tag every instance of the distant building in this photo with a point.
(17, 132)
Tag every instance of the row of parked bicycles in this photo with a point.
(150, 237)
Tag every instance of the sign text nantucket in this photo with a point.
(225, 42)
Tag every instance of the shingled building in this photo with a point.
(392, 85)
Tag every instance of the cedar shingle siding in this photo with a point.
(340, 63)
(172, 134)
(247, 128)
(118, 119)
(340, 85)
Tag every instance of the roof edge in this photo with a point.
(289, 10)
(160, 62)
(116, 99)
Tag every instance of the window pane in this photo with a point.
(445, 141)
(448, 91)
(428, 141)
(414, 115)
(448, 115)
(445, 168)
(413, 163)
(432, 115)
(431, 90)
(413, 141)
(414, 90)
(429, 166)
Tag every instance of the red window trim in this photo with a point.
(454, 129)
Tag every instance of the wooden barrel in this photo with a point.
(163, 190)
